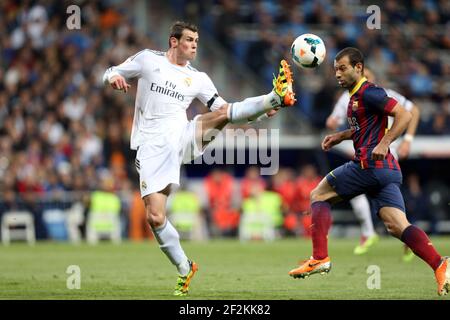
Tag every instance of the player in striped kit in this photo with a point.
(373, 171)
(399, 148)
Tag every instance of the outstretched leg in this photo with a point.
(249, 109)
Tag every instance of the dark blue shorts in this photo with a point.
(382, 186)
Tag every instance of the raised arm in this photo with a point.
(116, 76)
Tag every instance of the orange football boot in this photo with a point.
(283, 85)
(182, 287)
(311, 266)
(442, 274)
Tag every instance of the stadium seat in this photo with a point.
(260, 217)
(22, 224)
(104, 218)
(55, 223)
(74, 219)
(256, 225)
(185, 215)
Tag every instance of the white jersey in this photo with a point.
(164, 92)
(340, 108)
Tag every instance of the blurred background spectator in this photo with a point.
(223, 216)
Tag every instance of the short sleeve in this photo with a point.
(130, 68)
(407, 104)
(375, 98)
(208, 94)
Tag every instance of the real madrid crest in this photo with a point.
(188, 81)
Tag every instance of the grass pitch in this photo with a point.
(227, 270)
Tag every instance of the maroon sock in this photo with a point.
(420, 244)
(321, 222)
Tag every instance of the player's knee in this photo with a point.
(223, 109)
(155, 218)
(393, 229)
(222, 113)
(316, 195)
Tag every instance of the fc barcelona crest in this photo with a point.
(355, 105)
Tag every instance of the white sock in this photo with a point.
(361, 207)
(252, 108)
(169, 242)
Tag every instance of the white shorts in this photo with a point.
(394, 147)
(158, 161)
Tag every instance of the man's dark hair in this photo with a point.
(354, 56)
(176, 30)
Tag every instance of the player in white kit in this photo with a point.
(400, 150)
(162, 134)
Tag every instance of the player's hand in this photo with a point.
(331, 140)
(380, 152)
(119, 83)
(404, 149)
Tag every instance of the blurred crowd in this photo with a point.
(409, 53)
(59, 128)
(62, 131)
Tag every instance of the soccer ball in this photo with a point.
(308, 51)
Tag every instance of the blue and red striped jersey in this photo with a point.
(367, 114)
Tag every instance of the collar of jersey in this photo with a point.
(174, 64)
(357, 86)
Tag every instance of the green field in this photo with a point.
(227, 270)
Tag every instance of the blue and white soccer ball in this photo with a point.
(308, 51)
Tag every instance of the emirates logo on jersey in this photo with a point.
(168, 91)
(188, 81)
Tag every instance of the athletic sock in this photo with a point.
(252, 108)
(361, 208)
(420, 244)
(321, 222)
(169, 242)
